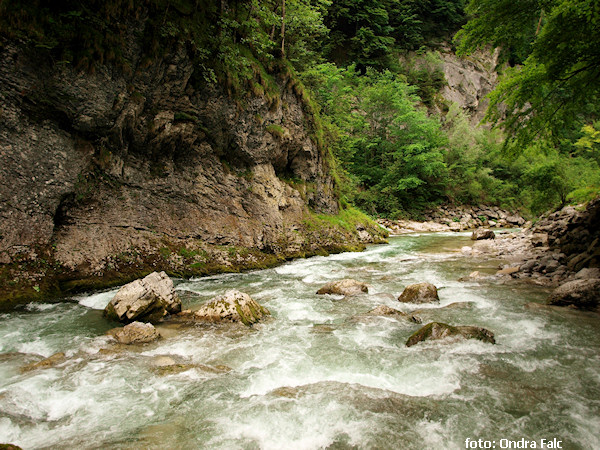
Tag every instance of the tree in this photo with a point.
(416, 22)
(558, 86)
(306, 31)
(360, 33)
(589, 144)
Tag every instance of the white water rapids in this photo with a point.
(320, 374)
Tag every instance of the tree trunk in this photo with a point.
(539, 22)
(283, 29)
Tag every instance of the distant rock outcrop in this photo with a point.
(456, 218)
(470, 79)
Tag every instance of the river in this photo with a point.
(319, 374)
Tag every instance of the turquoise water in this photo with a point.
(320, 374)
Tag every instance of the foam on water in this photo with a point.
(9, 431)
(320, 373)
(37, 346)
(435, 435)
(280, 424)
(96, 301)
(41, 306)
(298, 367)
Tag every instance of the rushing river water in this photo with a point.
(320, 374)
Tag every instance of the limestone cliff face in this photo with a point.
(469, 80)
(108, 174)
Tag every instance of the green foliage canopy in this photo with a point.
(557, 88)
(392, 150)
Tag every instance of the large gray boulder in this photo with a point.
(419, 293)
(146, 300)
(233, 306)
(135, 333)
(583, 294)
(438, 331)
(482, 233)
(344, 287)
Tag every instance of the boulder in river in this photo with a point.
(344, 287)
(419, 293)
(439, 331)
(384, 310)
(135, 333)
(583, 294)
(233, 306)
(482, 233)
(148, 300)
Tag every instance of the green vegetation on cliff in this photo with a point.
(547, 104)
(554, 91)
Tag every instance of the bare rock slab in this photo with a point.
(583, 294)
(347, 286)
(419, 293)
(233, 306)
(147, 300)
(135, 333)
(482, 233)
(439, 331)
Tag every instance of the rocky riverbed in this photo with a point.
(561, 247)
(458, 218)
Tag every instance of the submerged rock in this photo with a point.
(344, 287)
(482, 233)
(583, 294)
(46, 363)
(135, 333)
(439, 331)
(449, 307)
(233, 306)
(148, 300)
(508, 270)
(383, 310)
(419, 293)
(475, 275)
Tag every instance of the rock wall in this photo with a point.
(110, 174)
(469, 80)
(568, 242)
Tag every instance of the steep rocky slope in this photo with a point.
(110, 174)
(469, 80)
